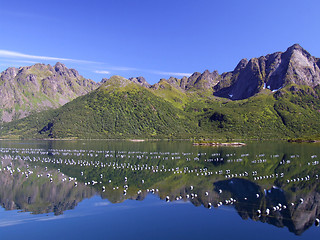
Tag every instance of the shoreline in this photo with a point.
(217, 144)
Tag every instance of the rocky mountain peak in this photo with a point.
(242, 64)
(272, 71)
(295, 47)
(141, 81)
(38, 87)
(59, 67)
(62, 70)
(206, 80)
(9, 73)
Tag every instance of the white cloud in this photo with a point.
(171, 73)
(102, 72)
(17, 61)
(18, 55)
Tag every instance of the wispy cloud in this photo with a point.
(156, 72)
(7, 60)
(180, 74)
(18, 55)
(102, 72)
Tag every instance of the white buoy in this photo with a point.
(267, 211)
(259, 213)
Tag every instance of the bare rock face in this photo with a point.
(206, 80)
(273, 72)
(140, 80)
(197, 81)
(35, 88)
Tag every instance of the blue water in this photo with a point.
(36, 208)
(152, 218)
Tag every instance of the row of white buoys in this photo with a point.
(118, 154)
(298, 179)
(274, 175)
(267, 212)
(117, 165)
(95, 163)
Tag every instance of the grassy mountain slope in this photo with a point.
(119, 108)
(292, 112)
(123, 109)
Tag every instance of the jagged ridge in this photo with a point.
(32, 89)
(273, 72)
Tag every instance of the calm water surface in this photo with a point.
(158, 190)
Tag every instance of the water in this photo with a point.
(161, 189)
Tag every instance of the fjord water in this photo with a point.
(159, 189)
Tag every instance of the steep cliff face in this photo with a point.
(206, 80)
(35, 88)
(272, 71)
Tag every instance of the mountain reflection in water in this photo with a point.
(279, 188)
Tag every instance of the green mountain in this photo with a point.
(118, 108)
(278, 97)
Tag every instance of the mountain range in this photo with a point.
(273, 96)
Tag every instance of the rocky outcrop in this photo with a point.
(206, 80)
(35, 88)
(197, 81)
(140, 80)
(273, 71)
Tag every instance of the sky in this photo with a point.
(151, 38)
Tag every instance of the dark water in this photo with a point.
(158, 190)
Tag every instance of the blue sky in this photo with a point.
(154, 39)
